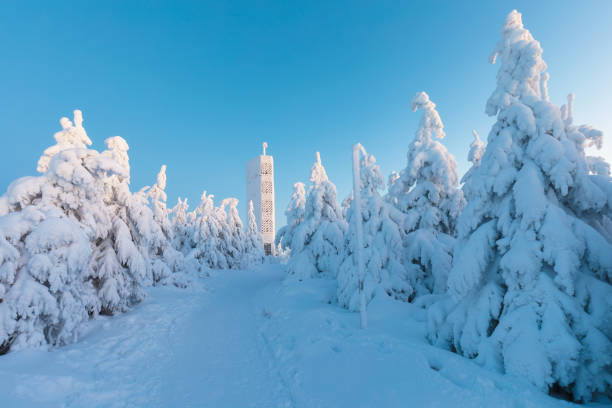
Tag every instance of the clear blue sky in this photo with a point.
(198, 86)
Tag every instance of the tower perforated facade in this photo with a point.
(260, 190)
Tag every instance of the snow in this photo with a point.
(492, 294)
(295, 215)
(358, 242)
(426, 193)
(75, 242)
(254, 241)
(255, 338)
(524, 274)
(214, 237)
(381, 242)
(317, 244)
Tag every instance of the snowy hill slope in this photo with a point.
(254, 339)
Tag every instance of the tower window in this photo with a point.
(266, 187)
(266, 168)
(266, 207)
(266, 225)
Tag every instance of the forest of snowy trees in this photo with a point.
(512, 263)
(513, 267)
(76, 242)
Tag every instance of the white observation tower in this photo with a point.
(260, 190)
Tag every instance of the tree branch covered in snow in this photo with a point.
(75, 242)
(382, 244)
(426, 193)
(295, 216)
(316, 247)
(530, 282)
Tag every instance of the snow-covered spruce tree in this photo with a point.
(295, 215)
(382, 243)
(346, 204)
(224, 238)
(183, 224)
(207, 250)
(233, 234)
(427, 193)
(71, 136)
(152, 257)
(119, 262)
(45, 294)
(530, 281)
(391, 188)
(477, 149)
(165, 259)
(66, 253)
(253, 249)
(218, 240)
(316, 247)
(158, 197)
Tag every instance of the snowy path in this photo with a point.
(253, 339)
(226, 364)
(182, 348)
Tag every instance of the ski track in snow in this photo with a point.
(254, 339)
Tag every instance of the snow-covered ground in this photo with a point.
(256, 339)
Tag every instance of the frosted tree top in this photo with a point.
(317, 172)
(430, 124)
(521, 75)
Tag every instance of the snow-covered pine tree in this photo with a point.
(231, 236)
(45, 296)
(71, 136)
(295, 215)
(477, 149)
(213, 237)
(158, 197)
(67, 251)
(237, 241)
(427, 193)
(530, 282)
(382, 243)
(254, 250)
(118, 264)
(346, 204)
(224, 238)
(392, 194)
(206, 235)
(318, 241)
(134, 236)
(183, 224)
(116, 269)
(165, 259)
